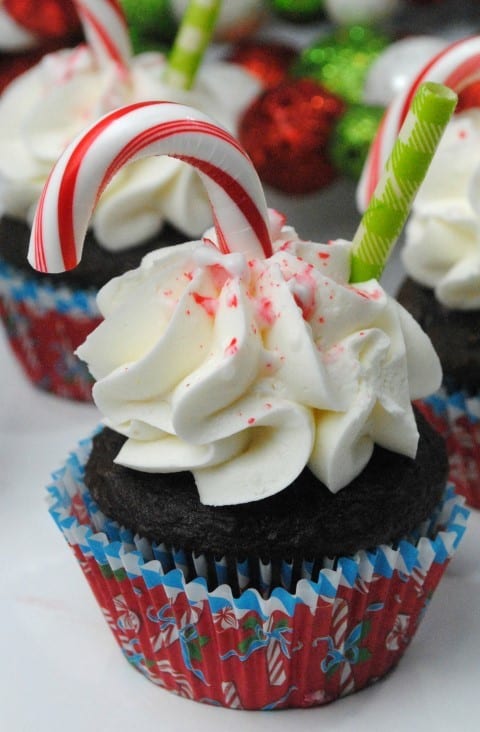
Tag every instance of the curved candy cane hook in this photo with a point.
(133, 132)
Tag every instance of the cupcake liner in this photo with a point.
(456, 416)
(335, 634)
(44, 326)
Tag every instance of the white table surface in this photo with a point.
(60, 667)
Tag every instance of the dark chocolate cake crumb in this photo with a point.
(455, 335)
(387, 500)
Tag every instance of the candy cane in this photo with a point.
(339, 632)
(106, 31)
(456, 66)
(230, 695)
(277, 674)
(127, 134)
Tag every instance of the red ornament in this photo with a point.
(286, 131)
(269, 62)
(45, 18)
(469, 97)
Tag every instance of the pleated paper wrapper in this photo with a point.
(456, 416)
(344, 625)
(44, 326)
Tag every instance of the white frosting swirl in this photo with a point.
(442, 248)
(243, 372)
(47, 106)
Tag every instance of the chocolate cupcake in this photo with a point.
(264, 519)
(442, 291)
(153, 203)
(305, 520)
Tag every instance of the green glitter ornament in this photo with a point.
(340, 61)
(298, 11)
(352, 136)
(151, 23)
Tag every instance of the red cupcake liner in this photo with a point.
(457, 418)
(44, 338)
(331, 637)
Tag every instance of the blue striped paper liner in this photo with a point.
(434, 542)
(17, 286)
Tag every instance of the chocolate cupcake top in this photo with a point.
(391, 495)
(248, 355)
(455, 335)
(97, 267)
(224, 366)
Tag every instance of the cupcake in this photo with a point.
(442, 291)
(263, 518)
(442, 256)
(153, 203)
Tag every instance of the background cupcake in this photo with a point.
(240, 310)
(152, 204)
(442, 259)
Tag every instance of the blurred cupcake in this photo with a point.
(153, 203)
(442, 259)
(264, 519)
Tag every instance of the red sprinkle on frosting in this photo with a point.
(232, 348)
(209, 304)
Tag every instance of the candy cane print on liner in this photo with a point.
(128, 134)
(106, 31)
(456, 66)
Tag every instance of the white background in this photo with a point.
(60, 668)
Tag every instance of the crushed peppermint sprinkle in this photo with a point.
(232, 347)
(265, 311)
(373, 295)
(209, 304)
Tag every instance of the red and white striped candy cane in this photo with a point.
(133, 132)
(277, 674)
(230, 695)
(339, 632)
(106, 31)
(456, 66)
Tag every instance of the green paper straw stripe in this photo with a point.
(383, 221)
(192, 39)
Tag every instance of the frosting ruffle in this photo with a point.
(442, 248)
(228, 367)
(43, 110)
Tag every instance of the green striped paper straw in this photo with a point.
(388, 210)
(192, 39)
